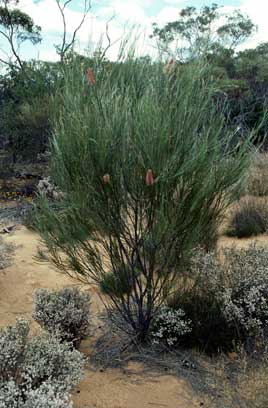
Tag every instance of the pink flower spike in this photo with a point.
(170, 66)
(106, 178)
(149, 177)
(91, 77)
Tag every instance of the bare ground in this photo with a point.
(128, 387)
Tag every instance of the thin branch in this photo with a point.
(65, 46)
(110, 43)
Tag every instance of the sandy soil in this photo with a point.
(113, 388)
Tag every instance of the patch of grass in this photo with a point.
(241, 383)
(249, 218)
(257, 182)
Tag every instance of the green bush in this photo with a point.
(28, 127)
(25, 108)
(146, 167)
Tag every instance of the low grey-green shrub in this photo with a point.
(245, 295)
(43, 397)
(250, 218)
(37, 372)
(227, 302)
(6, 252)
(65, 311)
(198, 296)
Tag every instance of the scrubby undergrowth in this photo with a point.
(36, 372)
(65, 312)
(226, 302)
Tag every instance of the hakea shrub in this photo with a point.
(147, 168)
(65, 312)
(36, 372)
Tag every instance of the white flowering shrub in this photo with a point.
(38, 372)
(47, 397)
(6, 253)
(65, 311)
(169, 326)
(13, 340)
(46, 357)
(10, 395)
(245, 297)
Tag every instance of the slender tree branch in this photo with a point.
(65, 46)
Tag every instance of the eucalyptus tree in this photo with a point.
(197, 32)
(16, 27)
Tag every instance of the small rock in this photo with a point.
(7, 230)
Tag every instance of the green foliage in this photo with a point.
(16, 28)
(240, 77)
(25, 108)
(30, 129)
(196, 31)
(116, 284)
(131, 150)
(236, 30)
(21, 21)
(210, 331)
(249, 218)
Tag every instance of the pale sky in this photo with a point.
(141, 13)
